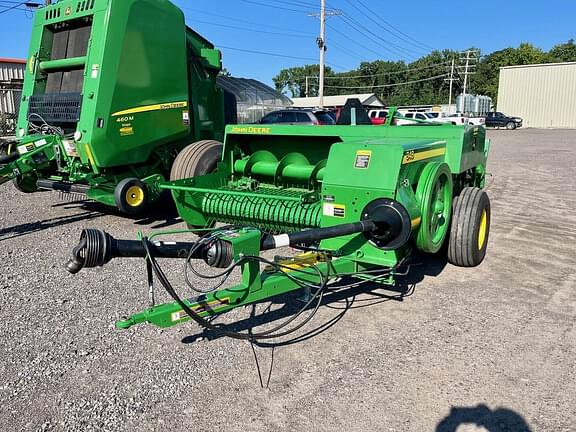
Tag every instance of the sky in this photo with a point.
(259, 38)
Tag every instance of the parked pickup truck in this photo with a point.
(456, 119)
(462, 119)
(498, 119)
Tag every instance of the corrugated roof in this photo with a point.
(12, 60)
(250, 91)
(369, 99)
(538, 65)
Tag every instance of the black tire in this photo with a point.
(510, 125)
(470, 228)
(26, 184)
(131, 196)
(196, 159)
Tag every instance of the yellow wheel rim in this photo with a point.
(482, 231)
(135, 196)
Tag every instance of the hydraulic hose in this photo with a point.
(6, 159)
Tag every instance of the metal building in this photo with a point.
(544, 95)
(11, 82)
(368, 100)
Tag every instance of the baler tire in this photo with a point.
(470, 228)
(196, 159)
(131, 196)
(26, 184)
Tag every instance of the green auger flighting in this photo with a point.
(355, 200)
(113, 90)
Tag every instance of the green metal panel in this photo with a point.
(147, 85)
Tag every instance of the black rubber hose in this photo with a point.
(9, 158)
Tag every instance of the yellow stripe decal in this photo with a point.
(413, 156)
(416, 222)
(89, 155)
(148, 108)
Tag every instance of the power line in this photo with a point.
(382, 20)
(358, 44)
(273, 6)
(236, 20)
(401, 72)
(276, 55)
(17, 6)
(390, 85)
(407, 50)
(298, 35)
(376, 38)
(391, 73)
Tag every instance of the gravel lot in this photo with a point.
(492, 348)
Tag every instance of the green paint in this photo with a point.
(148, 89)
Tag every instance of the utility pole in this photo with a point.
(470, 59)
(322, 45)
(321, 41)
(451, 79)
(306, 91)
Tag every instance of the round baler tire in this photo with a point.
(196, 159)
(470, 228)
(131, 196)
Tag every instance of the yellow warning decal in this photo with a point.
(334, 210)
(412, 156)
(362, 160)
(148, 108)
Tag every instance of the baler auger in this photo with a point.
(355, 199)
(113, 90)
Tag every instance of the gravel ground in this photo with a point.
(491, 348)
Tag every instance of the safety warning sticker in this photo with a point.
(363, 159)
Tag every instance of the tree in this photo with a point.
(565, 52)
(398, 83)
(293, 80)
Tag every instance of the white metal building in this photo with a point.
(11, 79)
(368, 100)
(544, 95)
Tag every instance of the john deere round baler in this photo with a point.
(113, 90)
